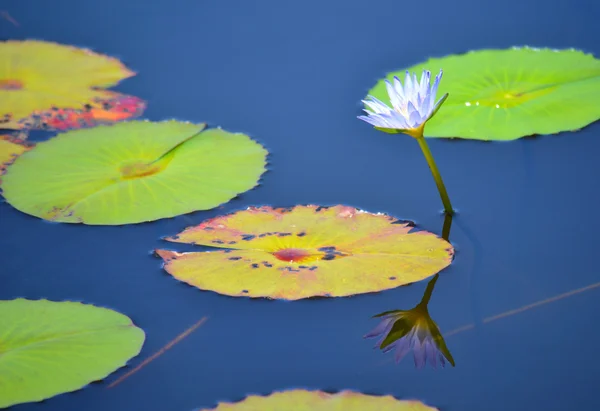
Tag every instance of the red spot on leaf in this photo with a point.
(10, 84)
(295, 255)
(118, 107)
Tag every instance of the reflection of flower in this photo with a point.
(414, 329)
(412, 105)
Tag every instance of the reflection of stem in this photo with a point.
(436, 174)
(431, 284)
(428, 291)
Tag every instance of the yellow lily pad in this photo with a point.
(111, 108)
(10, 148)
(132, 172)
(306, 251)
(36, 76)
(321, 401)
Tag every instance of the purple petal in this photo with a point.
(381, 328)
(402, 348)
(388, 348)
(442, 360)
(430, 353)
(419, 355)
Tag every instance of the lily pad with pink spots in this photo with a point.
(305, 251)
(49, 85)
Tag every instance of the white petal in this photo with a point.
(414, 119)
(369, 119)
(415, 84)
(408, 87)
(425, 108)
(424, 91)
(394, 98)
(434, 89)
(398, 120)
(398, 87)
(376, 105)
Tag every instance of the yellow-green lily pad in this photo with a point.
(132, 172)
(512, 93)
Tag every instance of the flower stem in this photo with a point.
(436, 175)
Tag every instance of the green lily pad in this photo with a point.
(508, 94)
(49, 348)
(132, 172)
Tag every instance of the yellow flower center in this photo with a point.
(138, 170)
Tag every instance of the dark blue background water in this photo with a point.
(291, 74)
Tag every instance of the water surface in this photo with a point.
(291, 74)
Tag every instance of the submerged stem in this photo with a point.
(436, 174)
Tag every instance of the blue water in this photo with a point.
(291, 74)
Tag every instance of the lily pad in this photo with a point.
(321, 401)
(132, 172)
(112, 107)
(49, 348)
(36, 76)
(512, 93)
(10, 148)
(305, 251)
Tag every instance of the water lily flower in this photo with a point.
(403, 331)
(413, 104)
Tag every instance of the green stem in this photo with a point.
(447, 226)
(436, 175)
